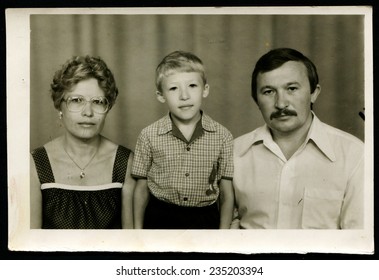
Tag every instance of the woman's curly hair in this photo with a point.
(80, 68)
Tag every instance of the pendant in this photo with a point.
(82, 175)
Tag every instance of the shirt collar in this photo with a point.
(258, 135)
(166, 124)
(317, 134)
(207, 123)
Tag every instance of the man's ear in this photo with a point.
(206, 90)
(315, 94)
(160, 97)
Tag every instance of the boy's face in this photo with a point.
(183, 92)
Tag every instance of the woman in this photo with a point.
(81, 180)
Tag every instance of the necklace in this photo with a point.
(82, 173)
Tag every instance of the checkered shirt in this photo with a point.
(178, 171)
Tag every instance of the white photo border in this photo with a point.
(22, 238)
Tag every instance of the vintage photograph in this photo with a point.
(245, 130)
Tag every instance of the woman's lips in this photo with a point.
(86, 124)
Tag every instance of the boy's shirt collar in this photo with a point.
(204, 123)
(196, 133)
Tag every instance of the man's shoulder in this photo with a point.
(249, 135)
(342, 137)
(217, 126)
(243, 142)
(339, 143)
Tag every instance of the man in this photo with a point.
(295, 172)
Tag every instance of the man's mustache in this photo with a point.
(282, 112)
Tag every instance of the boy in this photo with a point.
(184, 161)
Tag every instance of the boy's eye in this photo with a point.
(172, 88)
(193, 85)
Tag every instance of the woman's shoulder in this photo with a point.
(51, 147)
(109, 147)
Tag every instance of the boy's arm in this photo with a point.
(226, 203)
(236, 219)
(141, 198)
(127, 197)
(141, 165)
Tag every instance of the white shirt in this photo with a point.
(319, 187)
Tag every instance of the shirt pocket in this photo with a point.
(322, 207)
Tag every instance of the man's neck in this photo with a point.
(291, 141)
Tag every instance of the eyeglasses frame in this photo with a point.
(86, 101)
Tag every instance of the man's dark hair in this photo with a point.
(276, 58)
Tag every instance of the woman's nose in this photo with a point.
(87, 110)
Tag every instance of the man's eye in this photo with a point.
(292, 88)
(268, 92)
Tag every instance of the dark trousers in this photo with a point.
(163, 215)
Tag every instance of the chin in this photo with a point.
(88, 136)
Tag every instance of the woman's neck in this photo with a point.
(81, 147)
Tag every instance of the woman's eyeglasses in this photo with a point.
(77, 103)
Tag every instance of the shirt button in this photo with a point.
(185, 198)
(187, 174)
(188, 148)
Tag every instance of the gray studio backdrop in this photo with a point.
(229, 45)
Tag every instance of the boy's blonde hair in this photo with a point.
(178, 61)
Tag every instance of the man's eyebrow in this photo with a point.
(265, 87)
